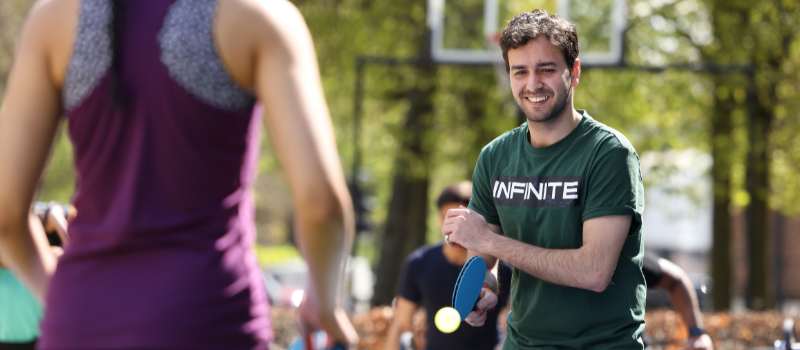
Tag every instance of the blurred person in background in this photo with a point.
(427, 281)
(663, 274)
(158, 97)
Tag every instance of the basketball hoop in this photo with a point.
(583, 14)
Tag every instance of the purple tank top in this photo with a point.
(161, 251)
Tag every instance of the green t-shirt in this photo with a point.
(542, 196)
(20, 313)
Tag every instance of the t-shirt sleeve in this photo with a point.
(614, 184)
(481, 201)
(408, 287)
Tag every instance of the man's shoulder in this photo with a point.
(607, 137)
(505, 140)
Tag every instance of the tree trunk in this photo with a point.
(721, 146)
(404, 231)
(408, 207)
(760, 294)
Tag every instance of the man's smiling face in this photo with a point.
(541, 81)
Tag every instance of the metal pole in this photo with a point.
(355, 188)
(358, 98)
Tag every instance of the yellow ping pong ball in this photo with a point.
(447, 320)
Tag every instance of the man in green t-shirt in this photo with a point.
(560, 198)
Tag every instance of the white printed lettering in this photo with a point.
(517, 187)
(571, 190)
(554, 185)
(536, 193)
(504, 188)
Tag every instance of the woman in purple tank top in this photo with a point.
(158, 97)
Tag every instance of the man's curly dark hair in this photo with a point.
(529, 25)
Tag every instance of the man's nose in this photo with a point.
(534, 81)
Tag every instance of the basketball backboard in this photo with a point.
(464, 31)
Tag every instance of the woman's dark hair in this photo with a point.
(117, 25)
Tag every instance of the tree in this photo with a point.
(747, 54)
(437, 139)
(758, 35)
(773, 31)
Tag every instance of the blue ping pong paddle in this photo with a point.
(468, 285)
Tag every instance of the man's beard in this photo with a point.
(558, 108)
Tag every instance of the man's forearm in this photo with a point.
(567, 267)
(589, 267)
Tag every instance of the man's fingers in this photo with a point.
(448, 229)
(454, 219)
(476, 319)
(448, 226)
(451, 226)
(487, 301)
(456, 212)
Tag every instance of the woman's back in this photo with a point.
(165, 225)
(165, 150)
(178, 149)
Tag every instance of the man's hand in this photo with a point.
(703, 342)
(486, 302)
(468, 229)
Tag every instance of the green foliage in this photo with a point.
(57, 181)
(59, 177)
(643, 107)
(275, 254)
(656, 111)
(11, 16)
(592, 18)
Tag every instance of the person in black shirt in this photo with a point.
(427, 281)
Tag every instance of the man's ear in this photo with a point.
(576, 72)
